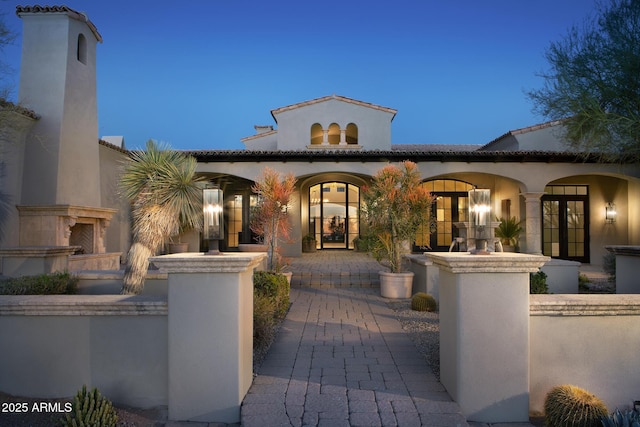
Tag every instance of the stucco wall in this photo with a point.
(52, 345)
(590, 341)
(294, 126)
(118, 234)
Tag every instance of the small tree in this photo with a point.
(593, 82)
(395, 206)
(165, 195)
(270, 218)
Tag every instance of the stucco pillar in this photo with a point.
(627, 258)
(484, 332)
(343, 137)
(533, 225)
(210, 334)
(325, 136)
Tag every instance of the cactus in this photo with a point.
(90, 409)
(571, 406)
(423, 302)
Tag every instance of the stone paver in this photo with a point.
(341, 358)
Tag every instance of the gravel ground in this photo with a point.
(423, 328)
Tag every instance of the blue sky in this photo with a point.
(200, 74)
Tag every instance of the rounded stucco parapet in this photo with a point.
(201, 263)
(495, 262)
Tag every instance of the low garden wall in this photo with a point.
(591, 341)
(52, 345)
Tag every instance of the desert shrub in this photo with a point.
(43, 284)
(90, 408)
(629, 418)
(583, 281)
(609, 265)
(571, 406)
(274, 286)
(423, 302)
(263, 321)
(538, 283)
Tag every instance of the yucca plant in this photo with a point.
(165, 197)
(509, 230)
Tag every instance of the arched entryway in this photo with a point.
(334, 214)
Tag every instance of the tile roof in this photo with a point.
(327, 98)
(80, 16)
(520, 131)
(10, 106)
(434, 147)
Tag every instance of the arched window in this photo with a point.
(334, 134)
(82, 49)
(352, 133)
(316, 134)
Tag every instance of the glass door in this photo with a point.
(333, 214)
(565, 216)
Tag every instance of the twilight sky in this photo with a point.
(200, 74)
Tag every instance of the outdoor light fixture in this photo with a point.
(610, 213)
(212, 202)
(479, 218)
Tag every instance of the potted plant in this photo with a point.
(165, 195)
(309, 243)
(270, 219)
(395, 206)
(508, 232)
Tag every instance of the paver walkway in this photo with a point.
(342, 359)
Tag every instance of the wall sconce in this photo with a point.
(212, 203)
(479, 218)
(610, 213)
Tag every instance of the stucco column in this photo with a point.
(325, 136)
(533, 225)
(627, 258)
(343, 137)
(484, 332)
(210, 334)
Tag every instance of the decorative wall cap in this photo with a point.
(496, 262)
(334, 147)
(38, 251)
(24, 10)
(585, 305)
(197, 262)
(83, 305)
(624, 250)
(66, 210)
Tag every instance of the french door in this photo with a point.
(565, 219)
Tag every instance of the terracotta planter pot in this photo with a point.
(178, 248)
(396, 285)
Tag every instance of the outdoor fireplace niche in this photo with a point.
(68, 225)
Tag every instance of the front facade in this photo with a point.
(333, 145)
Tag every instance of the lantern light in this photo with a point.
(212, 203)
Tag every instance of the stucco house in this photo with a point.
(61, 178)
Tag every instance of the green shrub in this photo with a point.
(571, 406)
(538, 283)
(43, 284)
(629, 418)
(263, 321)
(423, 302)
(583, 282)
(90, 409)
(274, 286)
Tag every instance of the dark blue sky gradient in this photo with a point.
(199, 74)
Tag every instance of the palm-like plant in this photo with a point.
(509, 230)
(166, 197)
